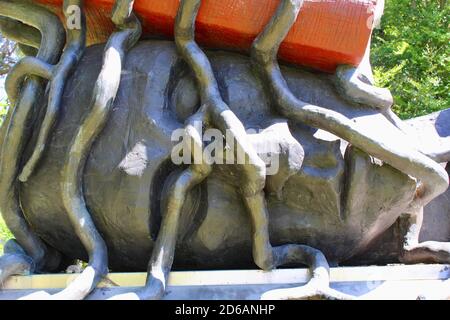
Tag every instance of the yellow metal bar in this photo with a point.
(242, 277)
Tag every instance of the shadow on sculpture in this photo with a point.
(94, 179)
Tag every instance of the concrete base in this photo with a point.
(390, 282)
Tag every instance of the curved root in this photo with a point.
(401, 157)
(26, 67)
(17, 130)
(349, 83)
(318, 286)
(410, 161)
(24, 89)
(76, 40)
(415, 251)
(440, 155)
(27, 50)
(347, 78)
(15, 265)
(14, 262)
(20, 32)
(104, 92)
(214, 111)
(220, 116)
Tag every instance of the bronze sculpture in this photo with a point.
(179, 204)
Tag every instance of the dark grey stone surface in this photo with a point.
(339, 201)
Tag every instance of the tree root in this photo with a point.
(218, 114)
(356, 84)
(214, 112)
(14, 265)
(26, 67)
(27, 50)
(428, 251)
(433, 177)
(420, 252)
(318, 286)
(17, 130)
(20, 32)
(353, 88)
(348, 82)
(27, 37)
(424, 252)
(22, 20)
(104, 92)
(76, 40)
(407, 160)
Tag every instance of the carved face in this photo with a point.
(330, 200)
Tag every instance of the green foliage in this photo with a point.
(410, 55)
(3, 110)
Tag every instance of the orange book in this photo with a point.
(326, 34)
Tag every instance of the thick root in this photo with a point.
(20, 32)
(27, 38)
(76, 41)
(404, 158)
(26, 67)
(15, 265)
(104, 92)
(356, 84)
(415, 252)
(422, 252)
(163, 253)
(14, 262)
(318, 286)
(433, 177)
(356, 90)
(429, 252)
(220, 116)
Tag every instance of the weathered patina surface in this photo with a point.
(336, 202)
(94, 179)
